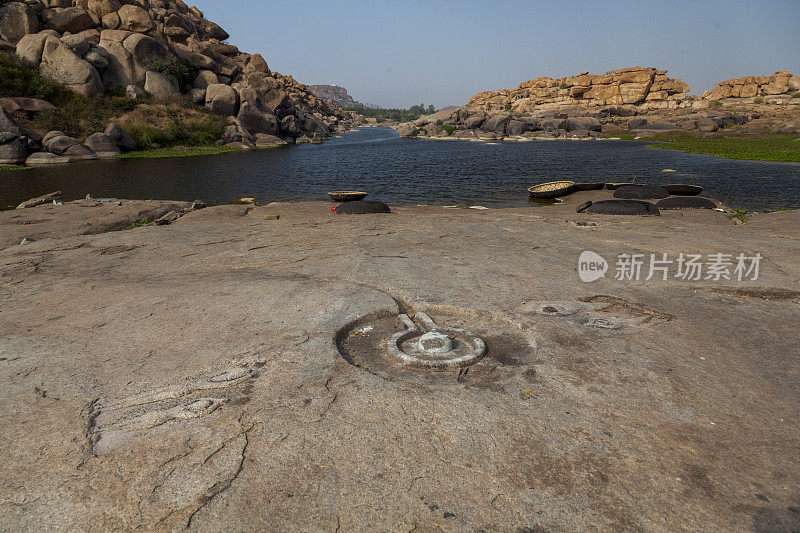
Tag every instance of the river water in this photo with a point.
(405, 171)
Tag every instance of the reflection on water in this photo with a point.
(403, 171)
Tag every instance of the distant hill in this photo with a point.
(338, 95)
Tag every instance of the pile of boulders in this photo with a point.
(779, 87)
(17, 146)
(96, 46)
(640, 100)
(648, 87)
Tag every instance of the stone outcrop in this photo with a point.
(339, 96)
(640, 100)
(646, 87)
(782, 83)
(97, 46)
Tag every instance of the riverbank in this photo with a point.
(777, 148)
(207, 363)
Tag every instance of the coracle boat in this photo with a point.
(589, 186)
(552, 189)
(682, 189)
(347, 196)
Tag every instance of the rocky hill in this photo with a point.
(641, 100)
(338, 95)
(164, 49)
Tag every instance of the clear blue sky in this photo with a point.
(398, 53)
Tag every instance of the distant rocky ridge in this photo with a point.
(641, 100)
(339, 96)
(97, 46)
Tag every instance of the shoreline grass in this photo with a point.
(15, 167)
(178, 151)
(775, 148)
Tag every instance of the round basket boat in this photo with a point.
(553, 189)
(347, 196)
(682, 189)
(590, 186)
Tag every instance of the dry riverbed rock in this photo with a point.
(229, 372)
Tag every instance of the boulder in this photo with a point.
(580, 123)
(135, 18)
(32, 105)
(160, 85)
(706, 125)
(13, 148)
(257, 122)
(258, 64)
(16, 21)
(121, 138)
(496, 123)
(111, 21)
(516, 127)
(61, 65)
(134, 92)
(222, 99)
(291, 126)
(79, 152)
(270, 141)
(59, 144)
(101, 8)
(102, 145)
(407, 130)
(45, 158)
(70, 19)
(204, 79)
(198, 96)
(30, 47)
(77, 44)
(98, 58)
(52, 135)
(7, 124)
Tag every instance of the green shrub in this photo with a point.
(508, 106)
(20, 78)
(448, 128)
(177, 69)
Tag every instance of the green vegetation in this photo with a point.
(177, 69)
(166, 122)
(448, 128)
(172, 122)
(15, 167)
(741, 214)
(139, 223)
(508, 106)
(20, 78)
(758, 100)
(400, 115)
(178, 151)
(782, 148)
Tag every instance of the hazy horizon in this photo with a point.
(397, 54)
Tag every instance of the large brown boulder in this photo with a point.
(102, 145)
(160, 85)
(61, 65)
(12, 148)
(16, 21)
(30, 47)
(120, 137)
(257, 122)
(70, 19)
(222, 99)
(135, 18)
